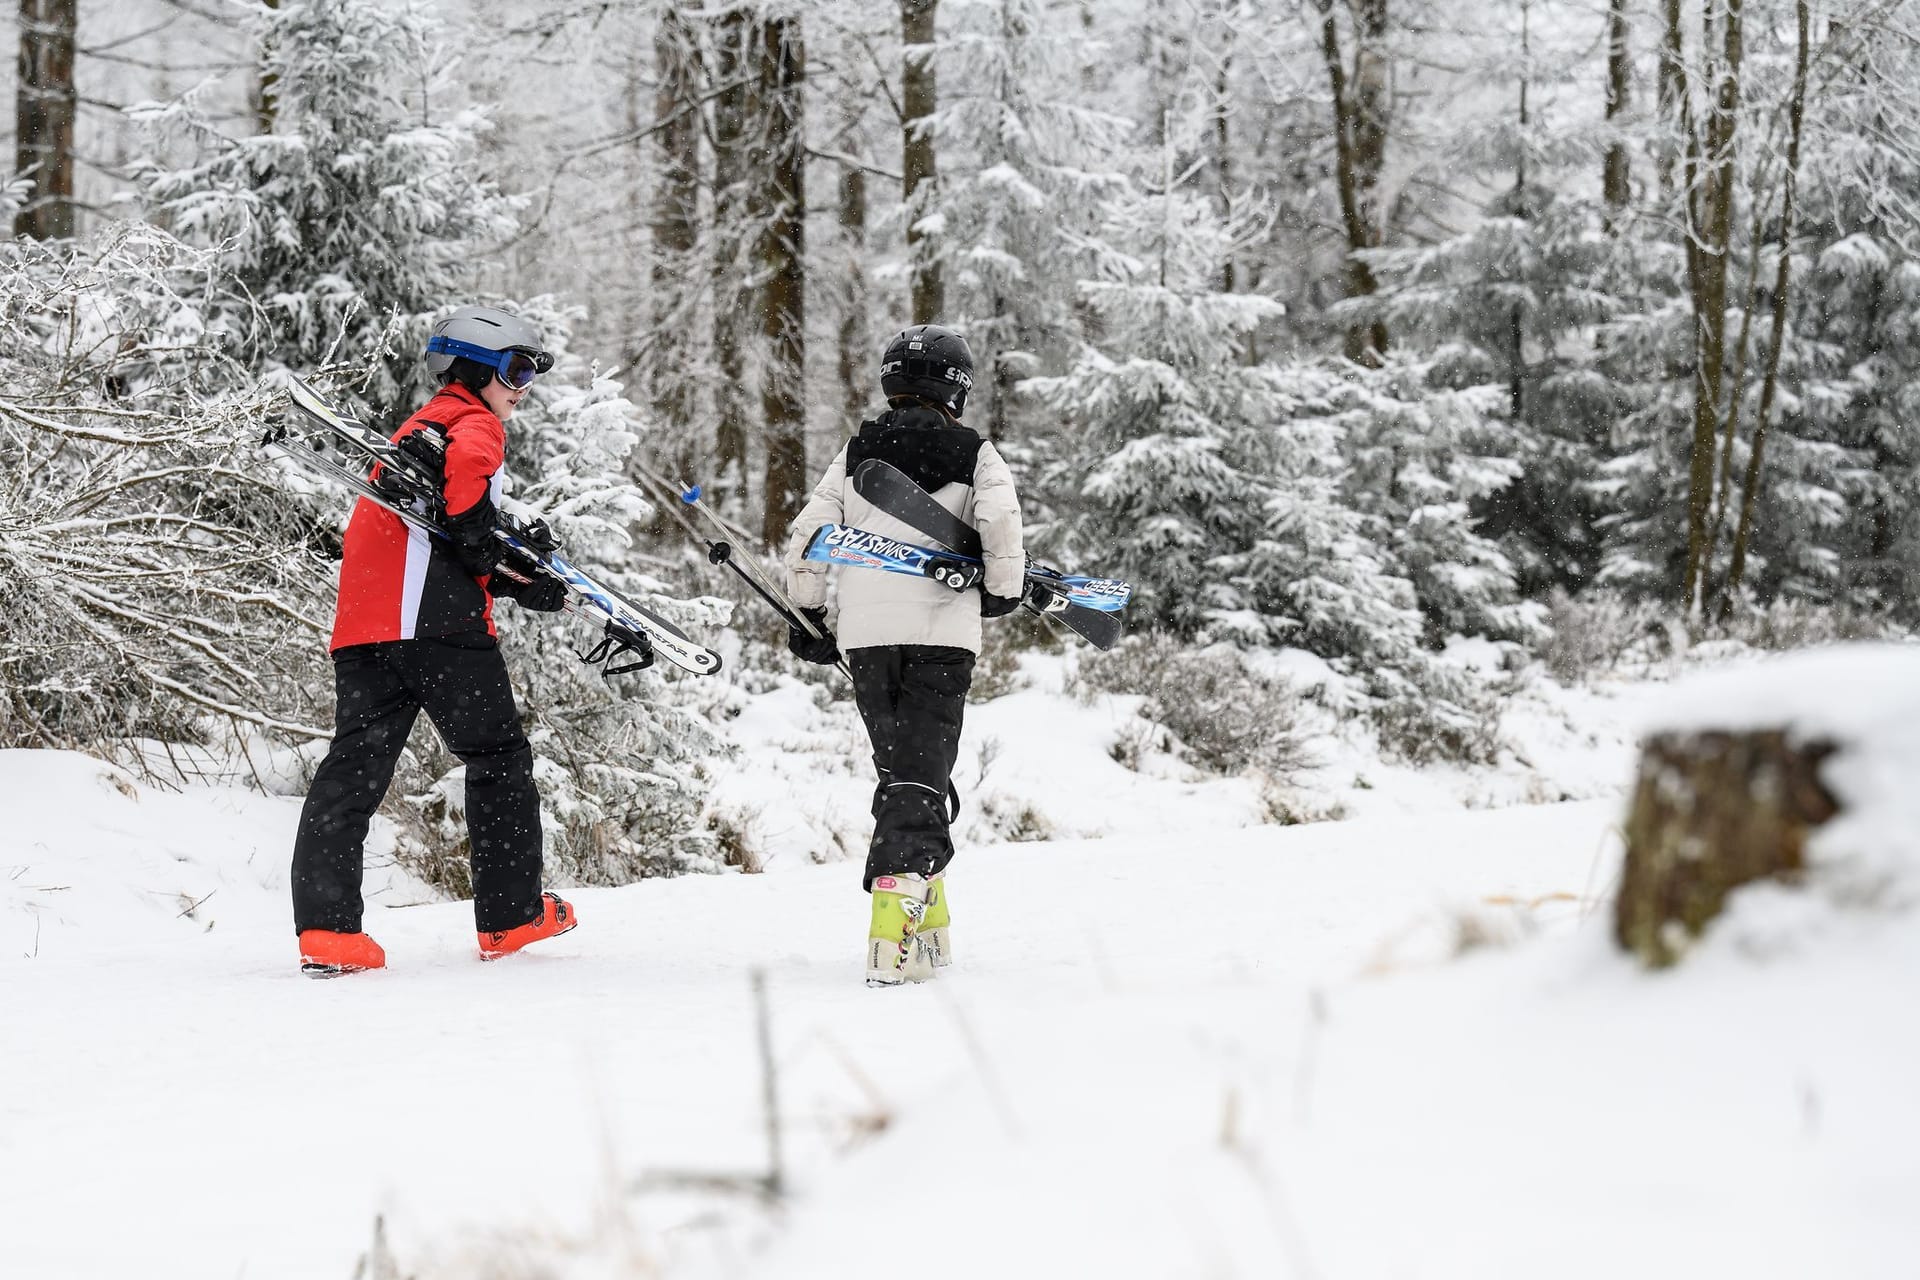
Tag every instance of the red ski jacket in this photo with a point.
(401, 583)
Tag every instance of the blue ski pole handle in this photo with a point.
(844, 544)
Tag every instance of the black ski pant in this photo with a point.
(461, 683)
(912, 698)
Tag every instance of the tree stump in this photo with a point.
(1711, 812)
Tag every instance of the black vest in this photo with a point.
(922, 442)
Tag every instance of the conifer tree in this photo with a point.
(1218, 487)
(363, 205)
(1023, 165)
(1509, 306)
(618, 760)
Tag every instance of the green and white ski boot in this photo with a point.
(895, 951)
(936, 922)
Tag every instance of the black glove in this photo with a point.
(474, 545)
(952, 573)
(542, 593)
(426, 451)
(532, 530)
(993, 606)
(820, 649)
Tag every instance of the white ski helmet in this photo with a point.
(483, 329)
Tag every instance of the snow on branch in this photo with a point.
(151, 566)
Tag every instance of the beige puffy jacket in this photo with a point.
(879, 608)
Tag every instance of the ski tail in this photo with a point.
(894, 492)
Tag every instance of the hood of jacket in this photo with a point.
(930, 447)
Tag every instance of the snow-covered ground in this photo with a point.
(1176, 1043)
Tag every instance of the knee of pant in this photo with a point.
(911, 806)
(509, 761)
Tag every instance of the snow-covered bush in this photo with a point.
(1804, 624)
(154, 581)
(1228, 715)
(1590, 634)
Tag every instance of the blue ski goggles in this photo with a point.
(516, 367)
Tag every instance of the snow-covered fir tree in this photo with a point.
(153, 579)
(1025, 162)
(361, 204)
(1856, 289)
(1145, 475)
(622, 760)
(1219, 487)
(1505, 312)
(1419, 460)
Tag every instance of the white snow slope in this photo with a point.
(1199, 1052)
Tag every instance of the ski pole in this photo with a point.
(752, 574)
(744, 568)
(721, 552)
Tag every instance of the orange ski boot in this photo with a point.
(555, 918)
(326, 954)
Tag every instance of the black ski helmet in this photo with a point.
(931, 362)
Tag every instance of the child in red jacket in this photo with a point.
(413, 631)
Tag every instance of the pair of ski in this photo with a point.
(1088, 606)
(339, 449)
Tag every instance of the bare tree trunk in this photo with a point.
(1796, 117)
(1737, 384)
(1522, 209)
(856, 358)
(1616, 181)
(1222, 131)
(266, 92)
(44, 105)
(918, 99)
(1011, 336)
(1361, 112)
(781, 252)
(731, 37)
(1673, 94)
(1713, 227)
(675, 214)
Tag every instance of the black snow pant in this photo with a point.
(461, 683)
(912, 697)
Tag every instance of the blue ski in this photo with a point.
(844, 544)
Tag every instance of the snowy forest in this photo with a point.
(1450, 381)
(1344, 328)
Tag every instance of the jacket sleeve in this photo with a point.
(996, 514)
(476, 448)
(807, 579)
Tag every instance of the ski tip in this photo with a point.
(690, 494)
